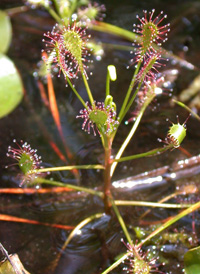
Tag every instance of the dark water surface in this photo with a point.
(99, 242)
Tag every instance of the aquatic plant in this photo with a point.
(176, 134)
(91, 12)
(99, 115)
(27, 160)
(67, 49)
(139, 263)
(151, 34)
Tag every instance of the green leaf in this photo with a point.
(5, 32)
(192, 261)
(11, 88)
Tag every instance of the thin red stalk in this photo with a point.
(107, 178)
(55, 113)
(43, 129)
(43, 94)
(34, 190)
(8, 218)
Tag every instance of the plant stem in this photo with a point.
(132, 100)
(154, 233)
(121, 221)
(118, 262)
(147, 101)
(149, 97)
(55, 3)
(54, 14)
(121, 113)
(76, 92)
(125, 143)
(76, 188)
(87, 88)
(150, 204)
(187, 108)
(72, 7)
(114, 30)
(79, 226)
(107, 178)
(152, 152)
(59, 168)
(73, 88)
(129, 35)
(171, 221)
(107, 84)
(75, 232)
(13, 11)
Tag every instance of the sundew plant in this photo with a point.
(67, 52)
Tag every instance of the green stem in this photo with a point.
(153, 152)
(125, 143)
(121, 221)
(150, 204)
(79, 226)
(114, 30)
(77, 188)
(150, 96)
(118, 262)
(116, 46)
(73, 88)
(132, 100)
(122, 113)
(107, 84)
(13, 11)
(129, 35)
(60, 168)
(75, 232)
(73, 8)
(75, 91)
(148, 100)
(56, 6)
(171, 221)
(154, 233)
(87, 88)
(187, 108)
(54, 14)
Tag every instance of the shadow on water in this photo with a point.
(99, 242)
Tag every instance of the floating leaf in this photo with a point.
(5, 31)
(192, 261)
(11, 88)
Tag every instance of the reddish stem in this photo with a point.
(107, 177)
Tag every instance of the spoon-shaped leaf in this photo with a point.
(5, 31)
(11, 88)
(192, 261)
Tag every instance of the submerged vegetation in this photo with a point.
(69, 50)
